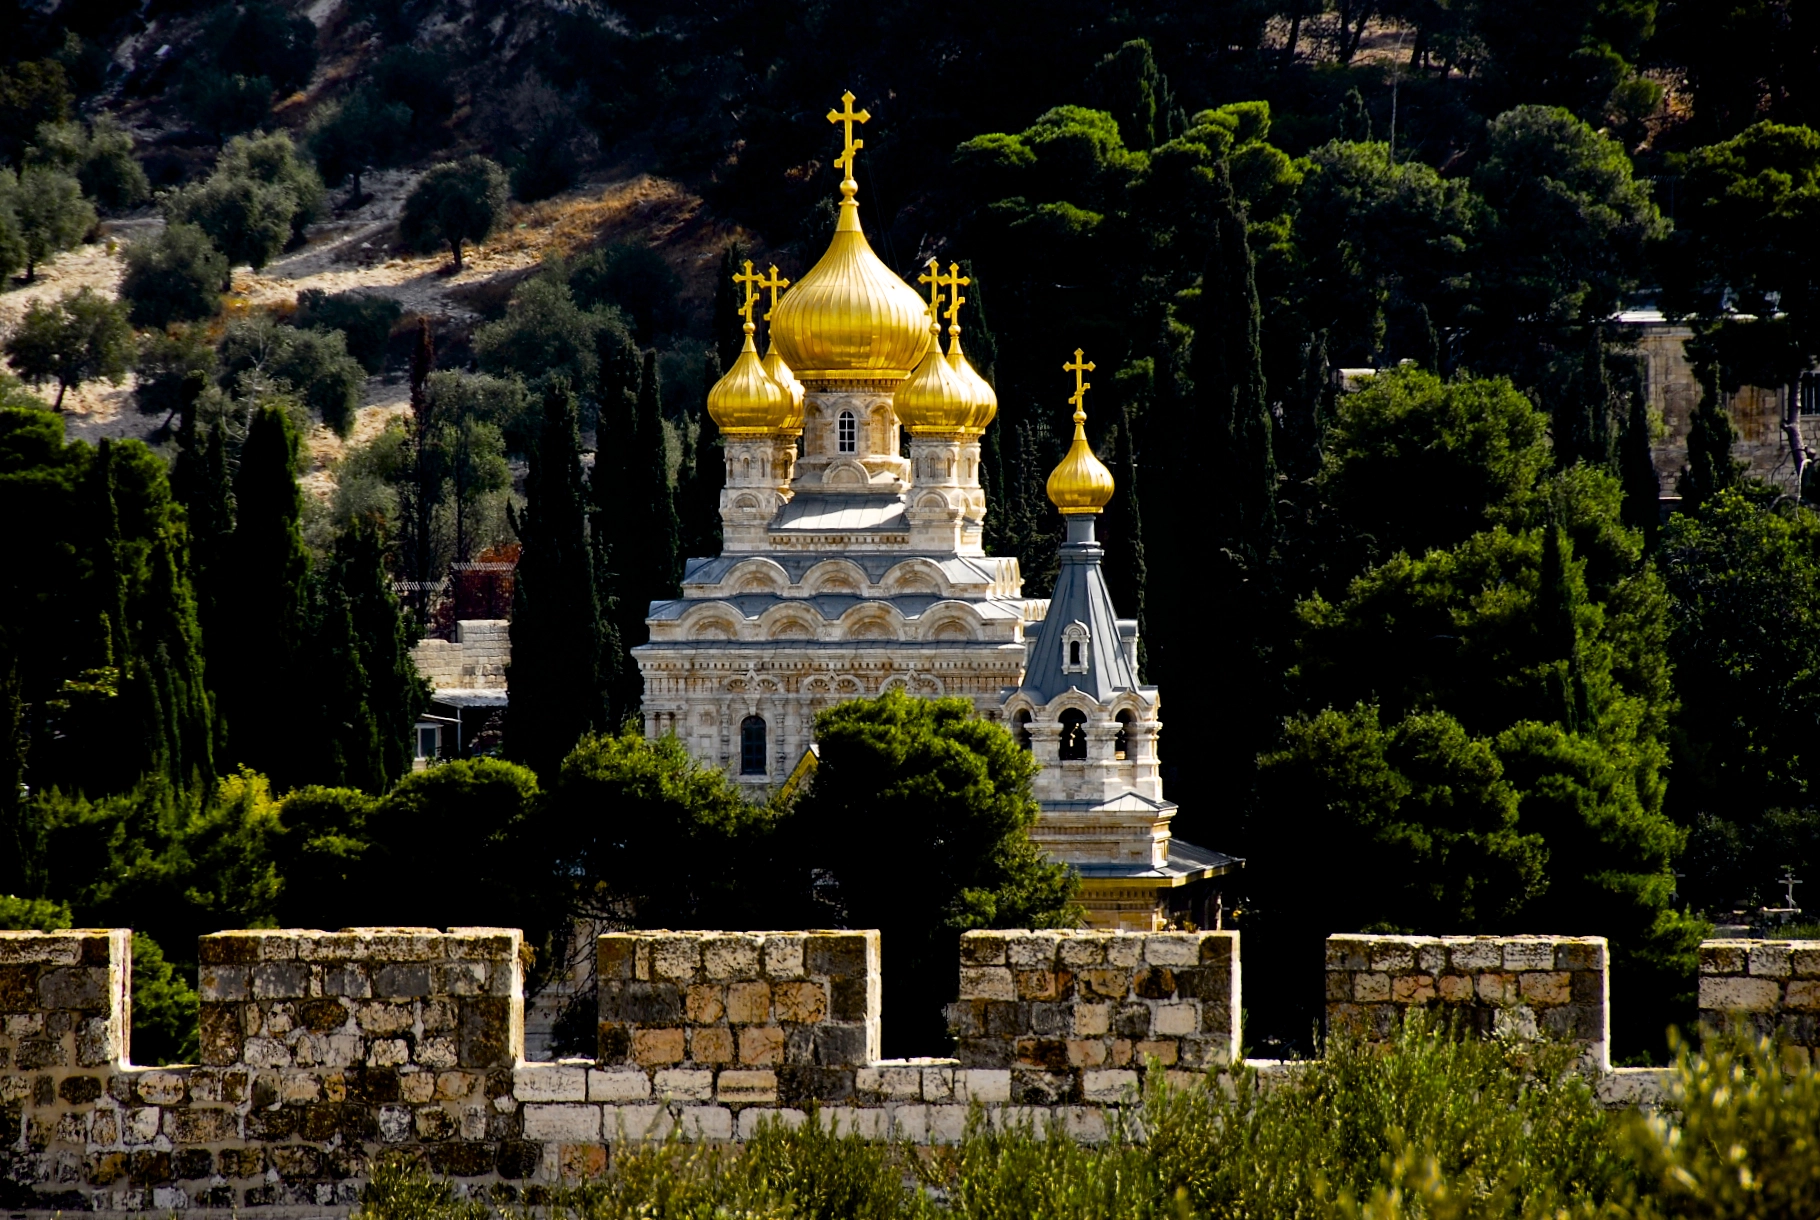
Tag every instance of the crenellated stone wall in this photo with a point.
(1772, 986)
(324, 1050)
(1073, 1017)
(1527, 985)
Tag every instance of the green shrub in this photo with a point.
(365, 320)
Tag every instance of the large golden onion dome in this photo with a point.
(1081, 484)
(851, 318)
(934, 400)
(748, 402)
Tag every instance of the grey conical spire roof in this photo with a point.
(1080, 597)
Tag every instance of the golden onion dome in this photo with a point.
(851, 318)
(747, 402)
(979, 391)
(781, 374)
(934, 400)
(1081, 484)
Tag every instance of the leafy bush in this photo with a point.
(364, 319)
(101, 158)
(50, 213)
(174, 276)
(257, 356)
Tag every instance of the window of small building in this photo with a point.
(752, 745)
(1121, 742)
(846, 433)
(1074, 735)
(1020, 726)
(1808, 393)
(429, 740)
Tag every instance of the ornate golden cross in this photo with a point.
(848, 117)
(1078, 366)
(935, 279)
(955, 280)
(752, 283)
(775, 283)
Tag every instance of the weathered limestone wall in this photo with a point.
(1062, 1018)
(476, 660)
(323, 1050)
(1553, 985)
(1773, 986)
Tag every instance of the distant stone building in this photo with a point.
(467, 677)
(849, 569)
(1763, 415)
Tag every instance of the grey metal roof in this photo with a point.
(960, 569)
(831, 606)
(841, 514)
(467, 697)
(1185, 860)
(1081, 597)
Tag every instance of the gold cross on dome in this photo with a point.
(934, 278)
(848, 117)
(752, 284)
(955, 280)
(1078, 366)
(775, 283)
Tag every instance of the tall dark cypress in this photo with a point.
(424, 492)
(558, 638)
(698, 491)
(645, 533)
(1126, 569)
(396, 692)
(263, 620)
(1637, 469)
(341, 748)
(1209, 603)
(1710, 468)
(16, 841)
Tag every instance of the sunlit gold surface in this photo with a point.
(749, 402)
(851, 318)
(1081, 484)
(774, 363)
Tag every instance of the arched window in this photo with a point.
(1121, 742)
(752, 745)
(1074, 735)
(1076, 648)
(1021, 727)
(846, 433)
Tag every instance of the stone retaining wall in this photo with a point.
(1773, 986)
(1529, 985)
(475, 660)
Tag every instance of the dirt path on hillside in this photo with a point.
(353, 252)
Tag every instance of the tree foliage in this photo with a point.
(173, 276)
(455, 203)
(83, 337)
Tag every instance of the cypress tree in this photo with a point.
(15, 747)
(645, 532)
(698, 493)
(341, 750)
(559, 641)
(1637, 469)
(396, 692)
(420, 497)
(1710, 468)
(264, 616)
(1124, 539)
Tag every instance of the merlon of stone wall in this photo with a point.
(1771, 986)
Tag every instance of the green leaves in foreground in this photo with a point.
(1430, 1126)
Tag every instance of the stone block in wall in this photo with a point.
(64, 1004)
(1768, 986)
(1062, 1013)
(1556, 986)
(736, 1019)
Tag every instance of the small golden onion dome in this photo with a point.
(934, 400)
(1081, 484)
(781, 374)
(979, 390)
(747, 402)
(851, 318)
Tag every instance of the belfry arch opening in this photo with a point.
(1074, 736)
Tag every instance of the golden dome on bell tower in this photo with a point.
(851, 318)
(935, 399)
(1081, 484)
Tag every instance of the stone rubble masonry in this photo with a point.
(323, 1050)
(1079, 1017)
(1557, 986)
(1770, 986)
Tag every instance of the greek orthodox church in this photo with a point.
(848, 570)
